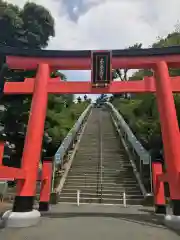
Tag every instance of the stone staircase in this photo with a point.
(101, 169)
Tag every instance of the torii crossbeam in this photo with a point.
(156, 59)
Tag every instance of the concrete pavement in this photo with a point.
(67, 222)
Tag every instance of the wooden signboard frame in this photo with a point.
(101, 68)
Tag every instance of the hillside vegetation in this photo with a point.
(140, 110)
(31, 27)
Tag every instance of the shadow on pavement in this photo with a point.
(148, 218)
(151, 213)
(143, 219)
(147, 211)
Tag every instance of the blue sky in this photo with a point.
(108, 24)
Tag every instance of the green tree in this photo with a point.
(89, 100)
(38, 25)
(79, 100)
(122, 74)
(141, 112)
(29, 27)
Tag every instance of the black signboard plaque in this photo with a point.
(101, 68)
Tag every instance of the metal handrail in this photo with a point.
(101, 156)
(99, 165)
(136, 145)
(97, 180)
(141, 155)
(62, 150)
(68, 141)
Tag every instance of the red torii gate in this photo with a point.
(157, 59)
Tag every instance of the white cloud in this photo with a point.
(111, 24)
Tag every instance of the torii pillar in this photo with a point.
(23, 214)
(170, 132)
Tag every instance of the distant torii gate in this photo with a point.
(101, 63)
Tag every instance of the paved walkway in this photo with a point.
(94, 222)
(5, 206)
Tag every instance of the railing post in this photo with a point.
(158, 188)
(45, 184)
(124, 199)
(53, 175)
(140, 168)
(85, 180)
(150, 174)
(78, 197)
(101, 154)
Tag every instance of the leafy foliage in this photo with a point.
(141, 111)
(122, 74)
(31, 27)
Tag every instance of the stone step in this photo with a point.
(104, 170)
(104, 174)
(104, 184)
(104, 195)
(93, 163)
(106, 151)
(117, 173)
(90, 179)
(95, 151)
(110, 187)
(104, 191)
(94, 169)
(103, 201)
(119, 164)
(112, 183)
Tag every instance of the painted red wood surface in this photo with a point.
(158, 186)
(10, 173)
(16, 62)
(78, 87)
